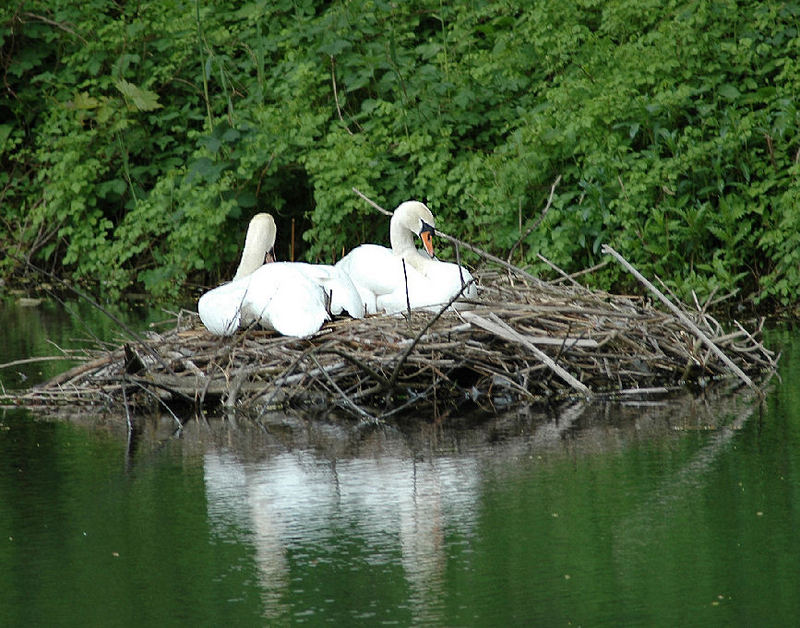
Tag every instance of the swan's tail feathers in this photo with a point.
(299, 324)
(298, 307)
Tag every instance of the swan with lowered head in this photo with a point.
(294, 299)
(378, 274)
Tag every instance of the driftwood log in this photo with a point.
(522, 341)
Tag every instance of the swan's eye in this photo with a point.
(426, 228)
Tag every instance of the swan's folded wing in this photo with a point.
(285, 299)
(299, 309)
(442, 281)
(220, 308)
(343, 294)
(372, 267)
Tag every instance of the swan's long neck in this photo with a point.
(259, 240)
(402, 239)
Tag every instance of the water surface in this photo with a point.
(680, 512)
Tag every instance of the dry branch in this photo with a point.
(683, 318)
(516, 343)
(497, 326)
(499, 349)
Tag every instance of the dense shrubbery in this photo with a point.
(138, 138)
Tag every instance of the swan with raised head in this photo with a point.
(380, 278)
(294, 299)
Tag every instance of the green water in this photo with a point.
(681, 513)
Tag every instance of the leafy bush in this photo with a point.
(141, 138)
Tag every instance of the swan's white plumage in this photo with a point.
(282, 297)
(220, 308)
(341, 291)
(258, 243)
(440, 283)
(291, 298)
(379, 275)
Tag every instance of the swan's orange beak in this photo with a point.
(270, 256)
(426, 235)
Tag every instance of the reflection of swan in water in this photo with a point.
(295, 500)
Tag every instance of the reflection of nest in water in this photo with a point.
(522, 341)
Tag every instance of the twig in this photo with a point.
(56, 24)
(579, 273)
(360, 364)
(538, 221)
(153, 381)
(766, 352)
(563, 274)
(236, 384)
(82, 368)
(469, 247)
(373, 203)
(350, 403)
(492, 258)
(157, 398)
(408, 299)
(41, 359)
(283, 376)
(127, 410)
(410, 347)
(336, 95)
(683, 318)
(458, 263)
(136, 337)
(497, 326)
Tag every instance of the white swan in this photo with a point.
(378, 272)
(294, 299)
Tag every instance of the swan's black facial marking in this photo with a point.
(426, 235)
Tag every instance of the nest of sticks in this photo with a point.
(522, 341)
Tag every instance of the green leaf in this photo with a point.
(5, 132)
(82, 101)
(143, 99)
(729, 92)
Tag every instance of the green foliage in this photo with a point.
(138, 139)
